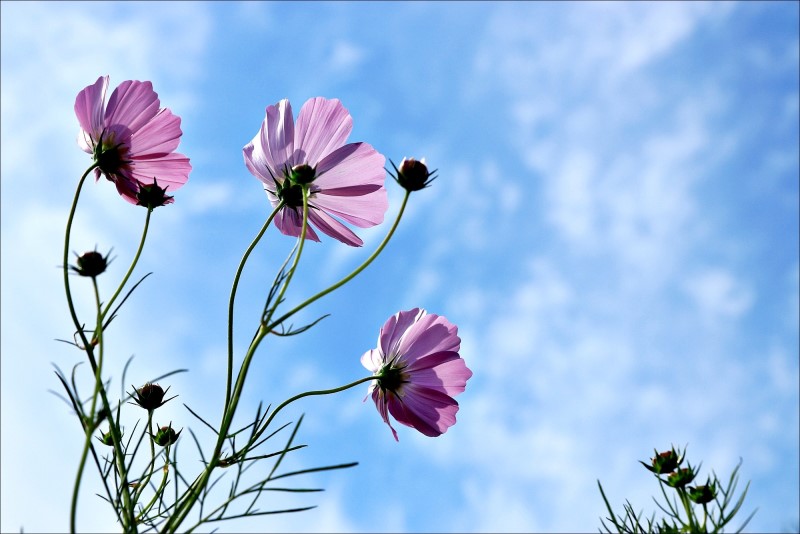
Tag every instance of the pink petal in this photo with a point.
(89, 108)
(160, 135)
(170, 170)
(429, 334)
(355, 164)
(290, 222)
(381, 404)
(277, 137)
(256, 162)
(430, 412)
(448, 377)
(392, 332)
(322, 126)
(132, 105)
(334, 228)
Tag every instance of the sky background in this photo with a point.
(614, 231)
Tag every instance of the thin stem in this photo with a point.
(65, 266)
(132, 266)
(193, 492)
(308, 394)
(236, 277)
(349, 276)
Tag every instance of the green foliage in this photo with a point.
(704, 508)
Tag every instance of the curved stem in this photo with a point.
(236, 277)
(349, 276)
(308, 394)
(65, 267)
(130, 269)
(193, 492)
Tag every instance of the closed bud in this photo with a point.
(166, 435)
(150, 396)
(152, 196)
(664, 462)
(703, 494)
(413, 174)
(90, 264)
(106, 438)
(681, 477)
(302, 174)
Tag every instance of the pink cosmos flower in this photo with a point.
(132, 138)
(344, 180)
(419, 371)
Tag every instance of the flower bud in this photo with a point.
(413, 174)
(302, 174)
(152, 196)
(664, 462)
(703, 494)
(91, 264)
(106, 438)
(150, 396)
(166, 435)
(681, 477)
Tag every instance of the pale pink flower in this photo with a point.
(344, 180)
(419, 371)
(132, 138)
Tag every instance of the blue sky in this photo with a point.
(614, 230)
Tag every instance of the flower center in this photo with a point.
(392, 378)
(111, 157)
(291, 194)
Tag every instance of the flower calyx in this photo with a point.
(680, 477)
(166, 436)
(703, 494)
(412, 174)
(150, 396)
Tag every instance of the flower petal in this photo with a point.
(381, 403)
(255, 159)
(132, 105)
(429, 411)
(354, 164)
(448, 377)
(277, 137)
(431, 333)
(89, 108)
(323, 125)
(392, 332)
(290, 222)
(171, 170)
(160, 135)
(372, 360)
(334, 228)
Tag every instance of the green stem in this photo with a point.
(159, 490)
(349, 276)
(236, 277)
(132, 266)
(307, 394)
(90, 425)
(193, 492)
(149, 472)
(65, 267)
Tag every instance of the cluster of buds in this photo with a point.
(668, 463)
